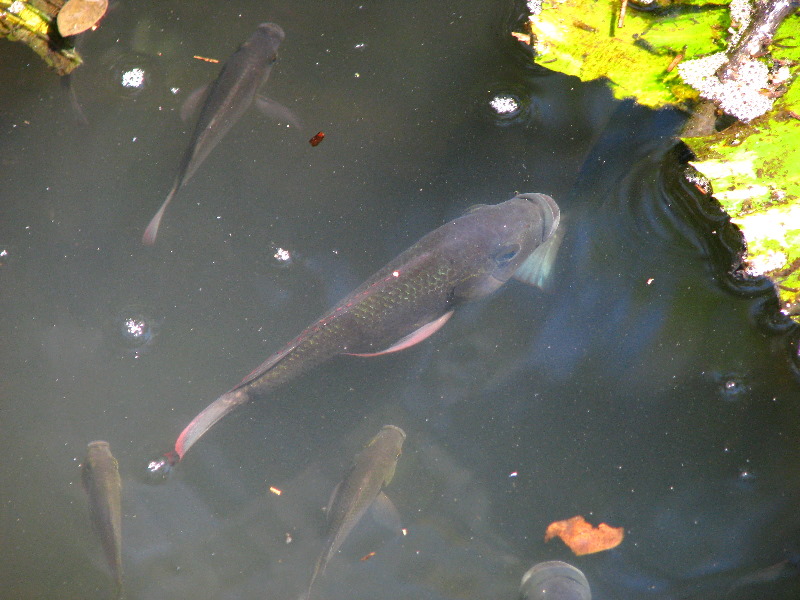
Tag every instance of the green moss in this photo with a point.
(754, 168)
(581, 38)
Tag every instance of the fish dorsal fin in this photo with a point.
(267, 364)
(474, 207)
(537, 267)
(415, 337)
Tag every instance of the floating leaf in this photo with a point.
(582, 537)
(76, 16)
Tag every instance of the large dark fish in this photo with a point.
(100, 476)
(372, 470)
(406, 301)
(229, 96)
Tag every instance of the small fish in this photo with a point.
(362, 487)
(100, 477)
(406, 301)
(227, 99)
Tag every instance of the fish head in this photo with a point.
(270, 36)
(497, 239)
(271, 30)
(394, 437)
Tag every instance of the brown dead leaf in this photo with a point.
(582, 538)
(76, 16)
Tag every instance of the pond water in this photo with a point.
(645, 388)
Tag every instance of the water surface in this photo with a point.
(639, 390)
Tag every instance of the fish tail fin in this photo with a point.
(149, 237)
(207, 418)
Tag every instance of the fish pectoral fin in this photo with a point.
(415, 337)
(538, 266)
(385, 513)
(277, 111)
(331, 499)
(191, 106)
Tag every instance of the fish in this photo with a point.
(362, 487)
(100, 478)
(405, 302)
(230, 95)
(554, 580)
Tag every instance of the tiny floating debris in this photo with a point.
(582, 538)
(314, 141)
(206, 59)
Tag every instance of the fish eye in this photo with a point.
(506, 254)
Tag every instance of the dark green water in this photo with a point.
(646, 389)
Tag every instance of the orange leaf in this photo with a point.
(582, 538)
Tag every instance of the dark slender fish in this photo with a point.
(406, 301)
(229, 96)
(372, 470)
(100, 476)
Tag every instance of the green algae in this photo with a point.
(754, 167)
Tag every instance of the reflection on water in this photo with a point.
(650, 388)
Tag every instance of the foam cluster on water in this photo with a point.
(741, 97)
(745, 93)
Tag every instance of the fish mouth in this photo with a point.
(548, 211)
(274, 29)
(395, 428)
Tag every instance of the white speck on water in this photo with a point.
(133, 78)
(503, 104)
(282, 255)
